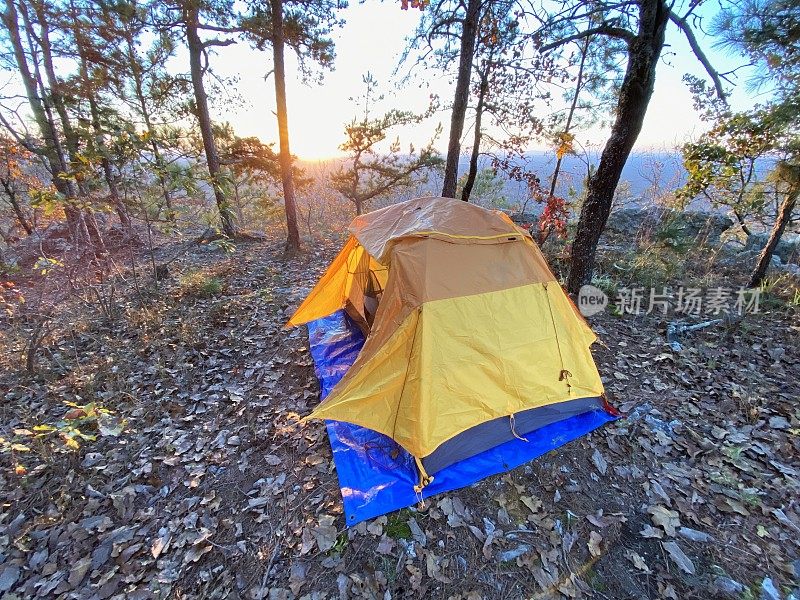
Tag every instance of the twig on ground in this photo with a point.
(676, 328)
(265, 578)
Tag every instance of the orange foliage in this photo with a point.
(420, 4)
(554, 218)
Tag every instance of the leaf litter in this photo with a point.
(201, 483)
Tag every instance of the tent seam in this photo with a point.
(405, 377)
(565, 374)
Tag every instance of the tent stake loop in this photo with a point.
(424, 478)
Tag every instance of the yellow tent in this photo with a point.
(470, 338)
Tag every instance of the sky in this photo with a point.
(372, 41)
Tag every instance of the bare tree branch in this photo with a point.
(699, 54)
(208, 27)
(20, 139)
(215, 42)
(607, 30)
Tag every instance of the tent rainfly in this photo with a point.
(470, 341)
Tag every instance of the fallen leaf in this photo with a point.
(768, 590)
(74, 413)
(417, 533)
(415, 576)
(678, 557)
(784, 520)
(694, 535)
(599, 462)
(78, 571)
(665, 518)
(651, 532)
(736, 506)
(325, 533)
(375, 526)
(667, 591)
(196, 552)
(160, 543)
(433, 568)
(8, 577)
(297, 576)
(307, 541)
(637, 561)
(778, 423)
(109, 425)
(385, 546)
(595, 540)
(533, 504)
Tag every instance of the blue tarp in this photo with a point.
(378, 476)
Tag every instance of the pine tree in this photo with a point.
(303, 26)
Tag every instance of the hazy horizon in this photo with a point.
(645, 170)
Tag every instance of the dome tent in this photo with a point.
(469, 342)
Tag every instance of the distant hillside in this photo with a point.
(646, 174)
(644, 171)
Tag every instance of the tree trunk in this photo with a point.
(545, 235)
(23, 221)
(204, 120)
(82, 223)
(290, 206)
(52, 151)
(113, 191)
(94, 232)
(116, 201)
(15, 206)
(76, 221)
(56, 97)
(634, 96)
(138, 86)
(782, 219)
(740, 219)
(476, 142)
(239, 209)
(469, 31)
(573, 105)
(42, 114)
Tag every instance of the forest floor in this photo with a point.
(201, 484)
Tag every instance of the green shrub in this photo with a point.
(397, 525)
(605, 283)
(201, 285)
(651, 266)
(671, 235)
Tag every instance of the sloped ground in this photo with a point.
(201, 483)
